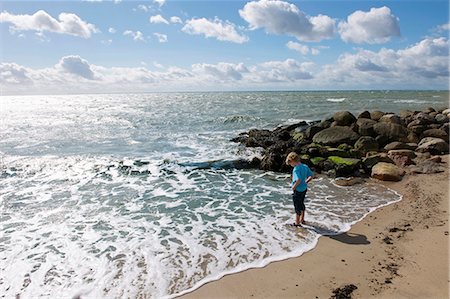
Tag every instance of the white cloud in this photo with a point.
(377, 26)
(107, 42)
(157, 65)
(112, 30)
(175, 19)
(14, 74)
(136, 35)
(279, 17)
(421, 65)
(303, 49)
(298, 47)
(221, 71)
(158, 19)
(41, 21)
(77, 66)
(143, 7)
(418, 66)
(159, 2)
(288, 70)
(162, 38)
(223, 31)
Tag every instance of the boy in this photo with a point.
(301, 176)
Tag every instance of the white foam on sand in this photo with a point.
(100, 227)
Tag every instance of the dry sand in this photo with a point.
(399, 251)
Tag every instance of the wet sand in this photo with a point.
(398, 251)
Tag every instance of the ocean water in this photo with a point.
(129, 196)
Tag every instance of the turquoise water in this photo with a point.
(101, 196)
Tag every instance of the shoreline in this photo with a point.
(399, 250)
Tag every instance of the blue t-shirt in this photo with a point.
(301, 172)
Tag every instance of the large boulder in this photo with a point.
(364, 114)
(344, 166)
(344, 118)
(434, 146)
(424, 118)
(366, 144)
(437, 133)
(397, 145)
(441, 118)
(402, 157)
(391, 118)
(365, 127)
(392, 132)
(376, 115)
(387, 172)
(336, 135)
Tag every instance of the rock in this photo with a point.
(424, 118)
(366, 144)
(344, 166)
(271, 161)
(436, 159)
(344, 118)
(387, 172)
(402, 152)
(313, 130)
(369, 161)
(437, 133)
(376, 115)
(393, 132)
(336, 135)
(391, 118)
(441, 119)
(412, 138)
(348, 181)
(446, 112)
(364, 114)
(435, 146)
(406, 113)
(429, 110)
(402, 158)
(427, 167)
(365, 127)
(396, 145)
(331, 151)
(317, 160)
(417, 129)
(445, 127)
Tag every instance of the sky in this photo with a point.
(67, 47)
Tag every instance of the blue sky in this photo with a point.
(138, 46)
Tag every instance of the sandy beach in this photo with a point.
(398, 251)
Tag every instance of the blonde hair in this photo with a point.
(292, 157)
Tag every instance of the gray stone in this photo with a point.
(336, 135)
(344, 118)
(434, 146)
(391, 118)
(365, 127)
(392, 131)
(366, 144)
(376, 115)
(437, 133)
(396, 145)
(364, 114)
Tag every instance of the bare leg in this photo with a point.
(297, 219)
(302, 217)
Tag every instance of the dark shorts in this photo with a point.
(299, 201)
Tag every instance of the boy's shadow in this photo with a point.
(347, 238)
(351, 238)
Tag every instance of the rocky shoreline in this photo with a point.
(379, 144)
